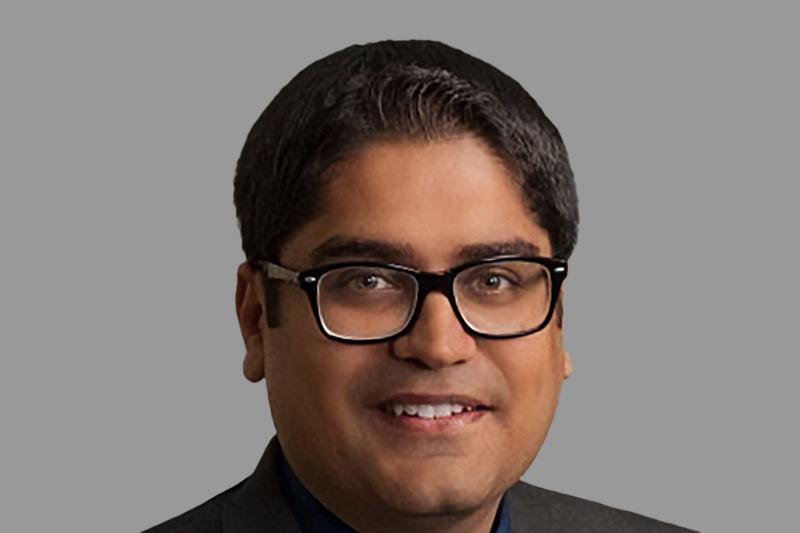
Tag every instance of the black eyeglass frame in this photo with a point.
(427, 282)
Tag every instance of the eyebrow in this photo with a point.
(341, 247)
(477, 252)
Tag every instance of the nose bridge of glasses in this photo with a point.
(429, 282)
(433, 282)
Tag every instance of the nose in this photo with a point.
(437, 339)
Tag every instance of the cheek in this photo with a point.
(310, 380)
(534, 370)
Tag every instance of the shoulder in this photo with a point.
(205, 517)
(254, 505)
(537, 509)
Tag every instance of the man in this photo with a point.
(406, 211)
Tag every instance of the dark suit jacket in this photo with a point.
(258, 505)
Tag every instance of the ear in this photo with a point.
(567, 365)
(250, 311)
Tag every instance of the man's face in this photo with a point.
(422, 205)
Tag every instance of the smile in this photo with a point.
(431, 414)
(429, 411)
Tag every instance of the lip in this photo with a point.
(407, 398)
(412, 425)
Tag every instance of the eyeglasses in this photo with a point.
(365, 302)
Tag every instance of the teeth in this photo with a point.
(443, 410)
(429, 411)
(426, 411)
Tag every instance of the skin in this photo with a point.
(433, 198)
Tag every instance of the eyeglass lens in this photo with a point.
(369, 302)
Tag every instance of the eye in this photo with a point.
(369, 281)
(493, 281)
(362, 280)
(504, 279)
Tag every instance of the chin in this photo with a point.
(433, 492)
(429, 502)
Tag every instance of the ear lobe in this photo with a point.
(253, 364)
(249, 310)
(567, 365)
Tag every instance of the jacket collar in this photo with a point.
(261, 504)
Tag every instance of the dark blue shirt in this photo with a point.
(315, 518)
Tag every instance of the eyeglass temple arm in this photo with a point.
(277, 272)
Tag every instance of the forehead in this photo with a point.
(430, 199)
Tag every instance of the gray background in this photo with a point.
(121, 393)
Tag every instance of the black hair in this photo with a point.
(418, 90)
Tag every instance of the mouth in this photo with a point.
(432, 413)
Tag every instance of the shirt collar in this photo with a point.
(315, 518)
